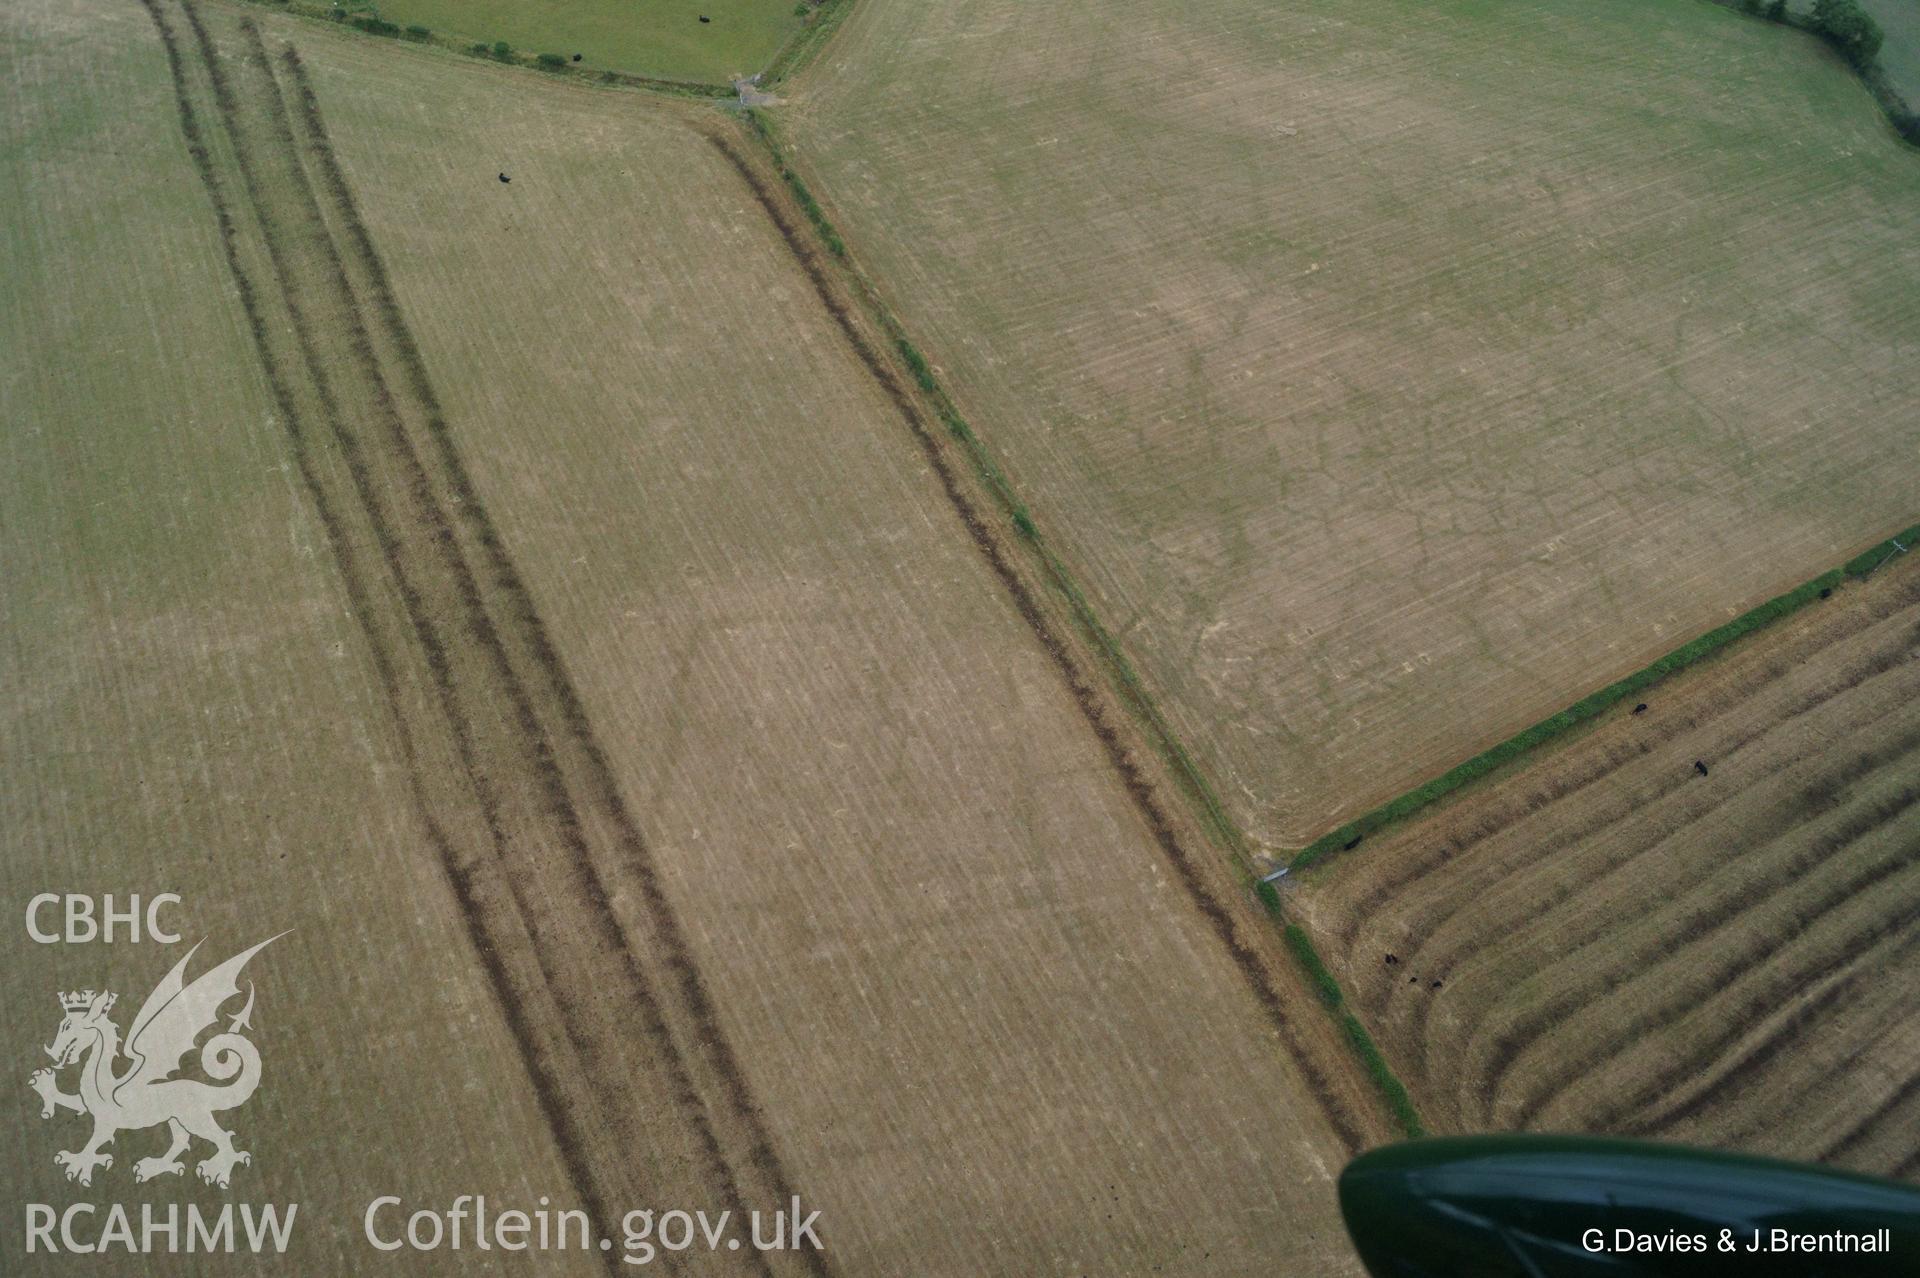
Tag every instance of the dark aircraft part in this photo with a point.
(1522, 1206)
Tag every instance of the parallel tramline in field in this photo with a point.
(1623, 944)
(782, 846)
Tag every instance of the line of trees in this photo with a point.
(1849, 29)
(1843, 24)
(1855, 36)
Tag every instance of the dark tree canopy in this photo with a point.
(1848, 28)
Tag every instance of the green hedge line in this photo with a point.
(1323, 982)
(1297, 939)
(804, 197)
(823, 17)
(1587, 707)
(1399, 1103)
(1390, 1086)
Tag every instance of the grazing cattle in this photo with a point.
(1352, 843)
(1413, 980)
(1700, 767)
(705, 18)
(1827, 592)
(1391, 959)
(1436, 983)
(505, 178)
(1641, 708)
(576, 57)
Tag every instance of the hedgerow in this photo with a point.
(1398, 1101)
(1594, 703)
(1323, 981)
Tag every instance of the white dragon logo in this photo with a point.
(145, 1095)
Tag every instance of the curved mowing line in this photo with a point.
(1697, 925)
(1725, 962)
(1754, 1059)
(1775, 991)
(1858, 1134)
(1713, 916)
(1418, 870)
(1867, 667)
(1778, 987)
(1219, 919)
(1558, 892)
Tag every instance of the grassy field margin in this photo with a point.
(1414, 800)
(1900, 113)
(798, 51)
(1327, 986)
(1126, 681)
(800, 48)
(369, 24)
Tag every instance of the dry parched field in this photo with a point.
(954, 962)
(771, 839)
(1622, 944)
(1392, 373)
(186, 704)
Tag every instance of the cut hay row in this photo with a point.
(1626, 945)
(936, 924)
(584, 987)
(192, 701)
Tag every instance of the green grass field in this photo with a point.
(1394, 374)
(662, 38)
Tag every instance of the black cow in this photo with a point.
(1700, 767)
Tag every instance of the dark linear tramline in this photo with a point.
(458, 873)
(506, 578)
(490, 930)
(1138, 788)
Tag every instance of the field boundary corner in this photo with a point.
(1416, 800)
(1121, 675)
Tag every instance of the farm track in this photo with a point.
(1626, 946)
(640, 1087)
(1256, 964)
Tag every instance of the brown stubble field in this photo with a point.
(764, 845)
(1391, 374)
(1628, 946)
(188, 703)
(984, 1018)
